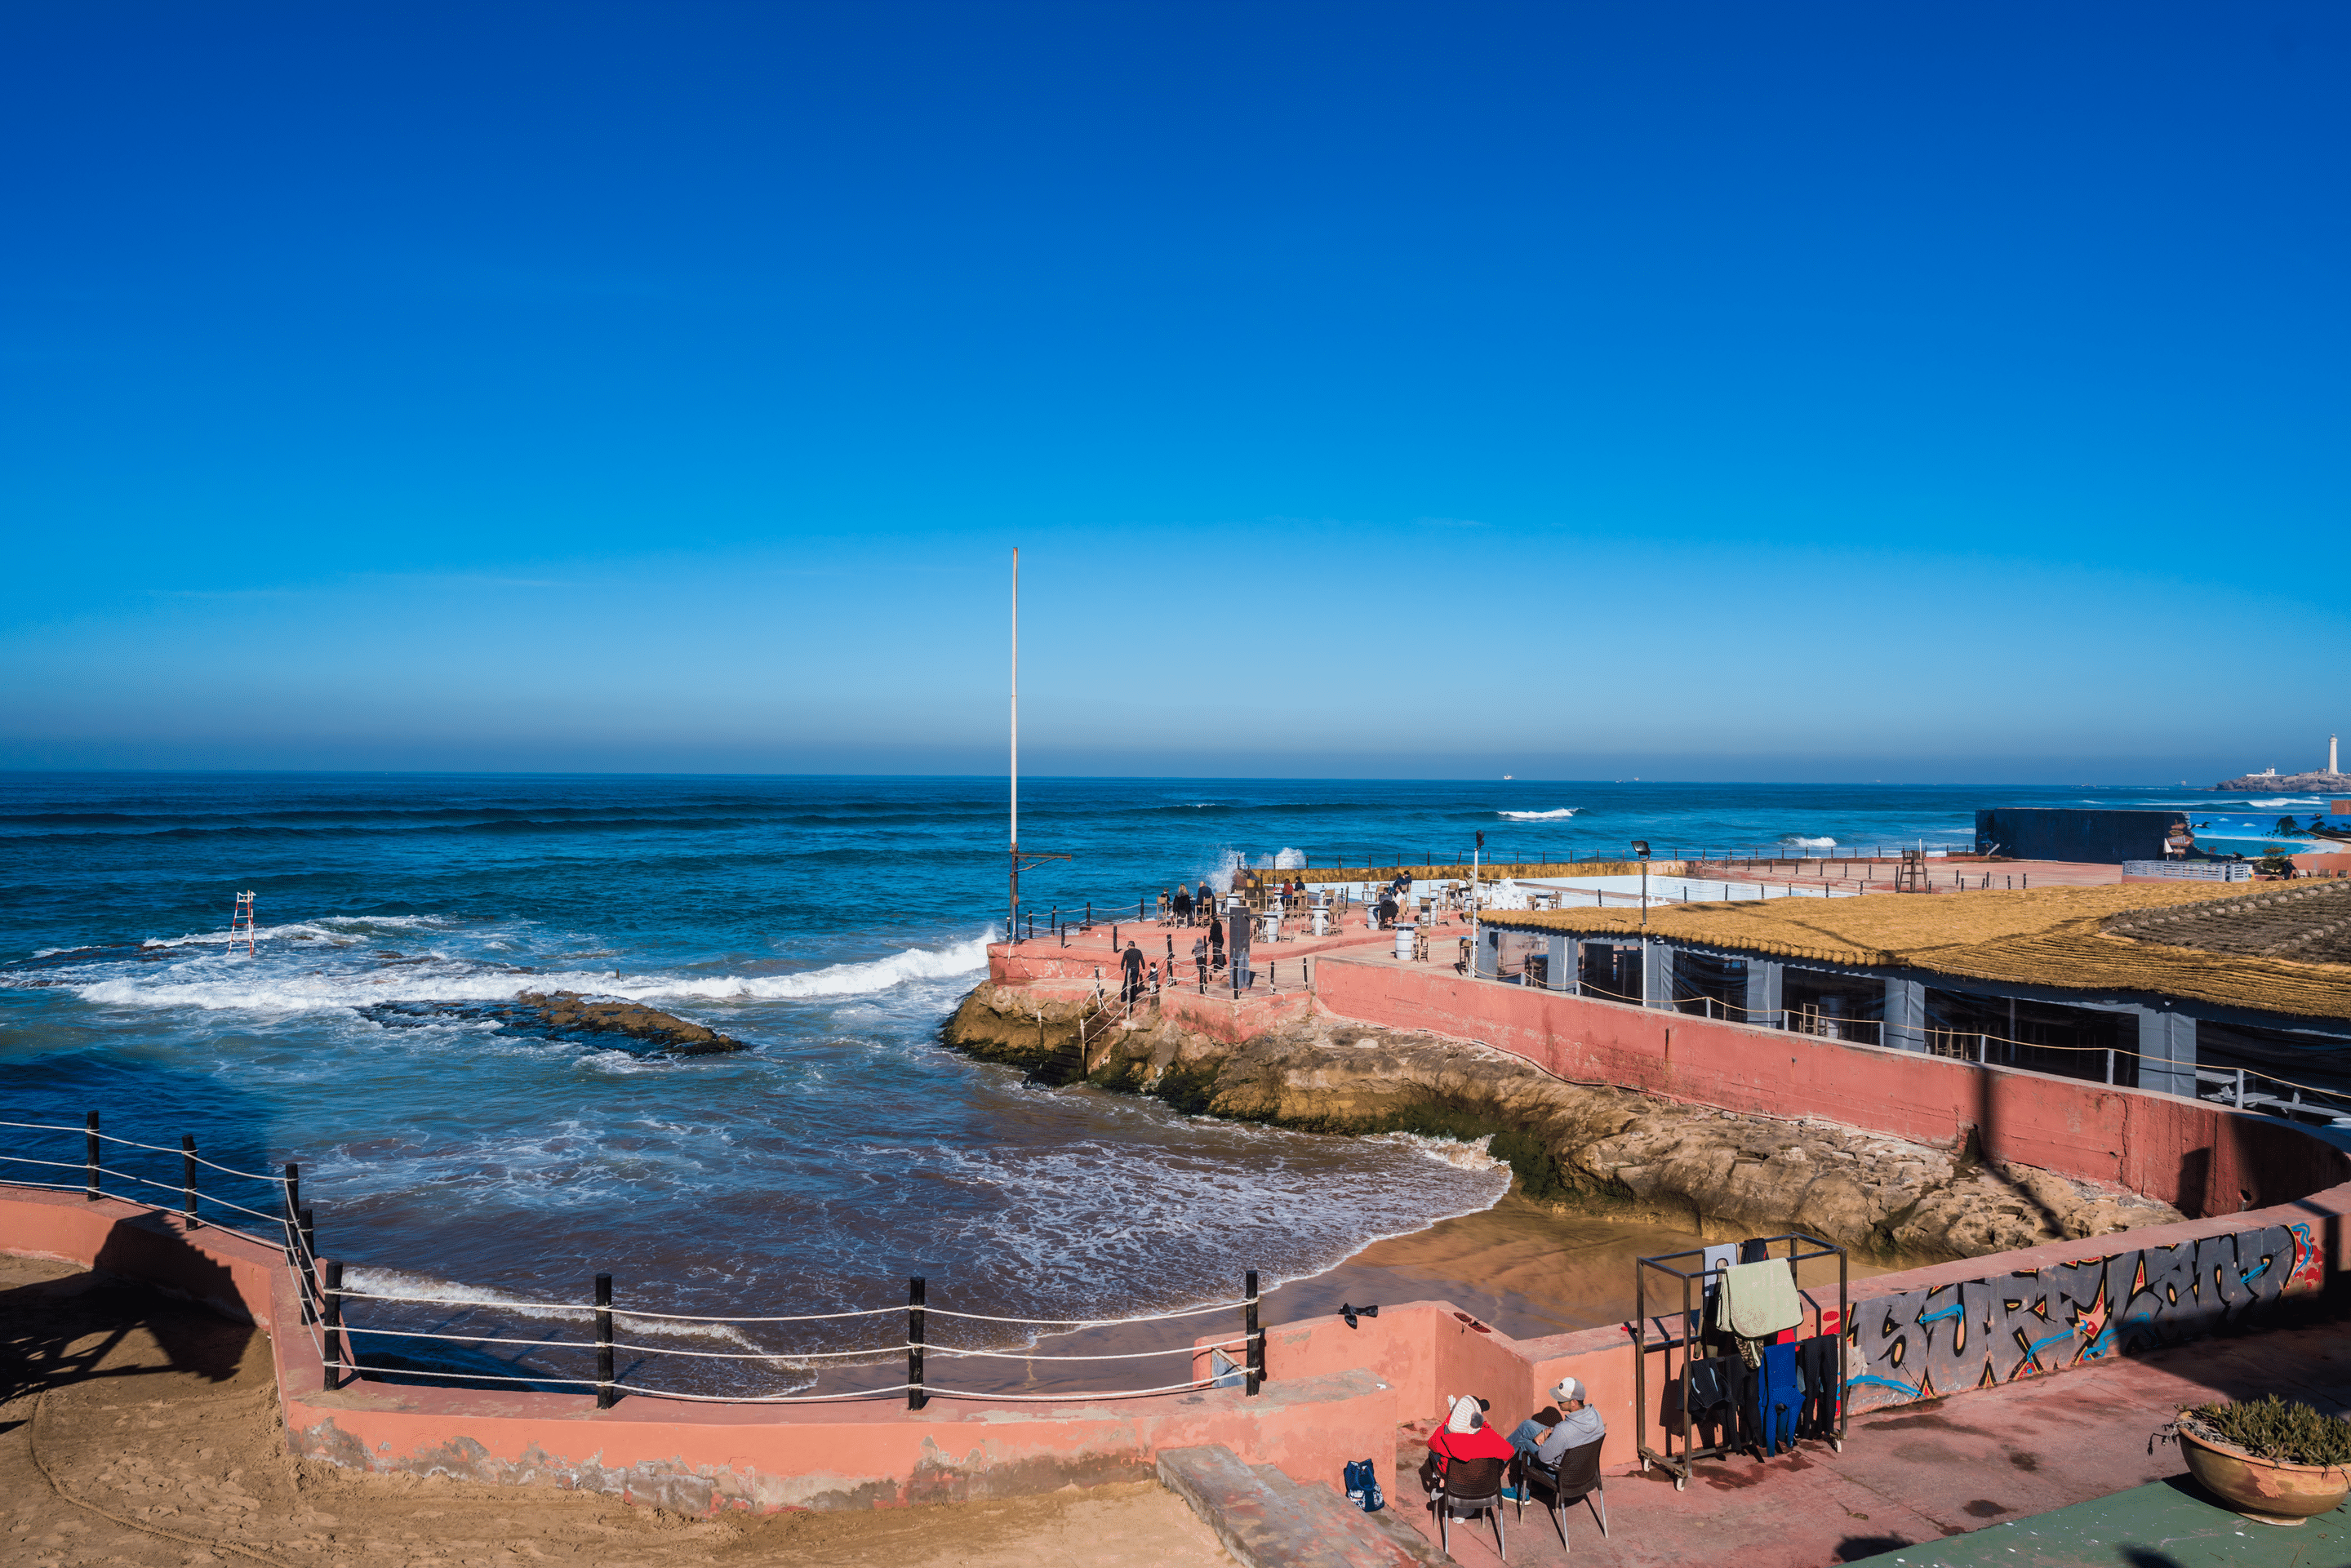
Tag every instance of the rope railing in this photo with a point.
(319, 1287)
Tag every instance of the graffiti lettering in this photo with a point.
(1919, 1344)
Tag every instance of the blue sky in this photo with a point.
(1694, 391)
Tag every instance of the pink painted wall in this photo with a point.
(1222, 1017)
(2201, 1158)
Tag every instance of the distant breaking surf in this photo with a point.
(1540, 816)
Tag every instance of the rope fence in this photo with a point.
(324, 1299)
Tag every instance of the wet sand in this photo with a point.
(1527, 1270)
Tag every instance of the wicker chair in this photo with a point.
(1576, 1477)
(1469, 1488)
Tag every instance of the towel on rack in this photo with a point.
(1759, 1300)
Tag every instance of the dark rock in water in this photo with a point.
(571, 1010)
(568, 1015)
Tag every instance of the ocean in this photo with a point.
(831, 923)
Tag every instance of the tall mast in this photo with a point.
(1012, 925)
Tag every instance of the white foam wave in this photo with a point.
(1805, 843)
(344, 930)
(2272, 802)
(1290, 859)
(210, 983)
(400, 1285)
(839, 980)
(1473, 1157)
(1564, 812)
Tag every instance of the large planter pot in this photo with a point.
(2270, 1491)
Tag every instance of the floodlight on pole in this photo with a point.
(1641, 851)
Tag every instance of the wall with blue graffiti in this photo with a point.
(1919, 1344)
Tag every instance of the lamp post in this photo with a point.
(1477, 855)
(1641, 849)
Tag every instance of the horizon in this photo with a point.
(1506, 390)
(1108, 777)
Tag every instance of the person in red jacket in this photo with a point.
(1470, 1455)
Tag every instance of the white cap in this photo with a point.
(1569, 1388)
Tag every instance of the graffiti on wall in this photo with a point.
(1921, 1344)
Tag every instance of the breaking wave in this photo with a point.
(1563, 811)
(231, 982)
(840, 979)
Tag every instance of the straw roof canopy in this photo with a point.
(2158, 937)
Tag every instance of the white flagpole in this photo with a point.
(1013, 933)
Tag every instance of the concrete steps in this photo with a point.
(1268, 1520)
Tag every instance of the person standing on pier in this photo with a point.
(1131, 964)
(1200, 959)
(1216, 942)
(1239, 941)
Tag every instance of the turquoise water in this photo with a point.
(829, 922)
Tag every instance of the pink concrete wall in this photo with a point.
(2201, 1158)
(1220, 1016)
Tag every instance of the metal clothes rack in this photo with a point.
(1802, 1249)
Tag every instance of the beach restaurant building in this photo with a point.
(2193, 989)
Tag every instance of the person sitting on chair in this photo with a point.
(1550, 1433)
(1471, 1454)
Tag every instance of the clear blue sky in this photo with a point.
(1751, 392)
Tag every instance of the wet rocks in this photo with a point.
(569, 1014)
(1719, 1172)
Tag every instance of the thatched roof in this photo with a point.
(2079, 938)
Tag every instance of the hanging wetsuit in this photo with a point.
(1778, 1398)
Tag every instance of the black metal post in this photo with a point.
(916, 1397)
(90, 1157)
(605, 1394)
(331, 1294)
(303, 1276)
(188, 1180)
(293, 1203)
(1253, 1347)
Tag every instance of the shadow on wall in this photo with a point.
(2195, 1184)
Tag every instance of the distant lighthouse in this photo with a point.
(2330, 755)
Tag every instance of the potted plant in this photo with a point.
(2271, 1460)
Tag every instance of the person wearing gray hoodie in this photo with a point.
(1548, 1435)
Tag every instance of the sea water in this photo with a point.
(829, 922)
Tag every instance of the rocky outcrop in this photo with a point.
(1718, 1171)
(2319, 782)
(570, 1015)
(570, 1012)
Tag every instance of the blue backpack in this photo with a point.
(1363, 1486)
